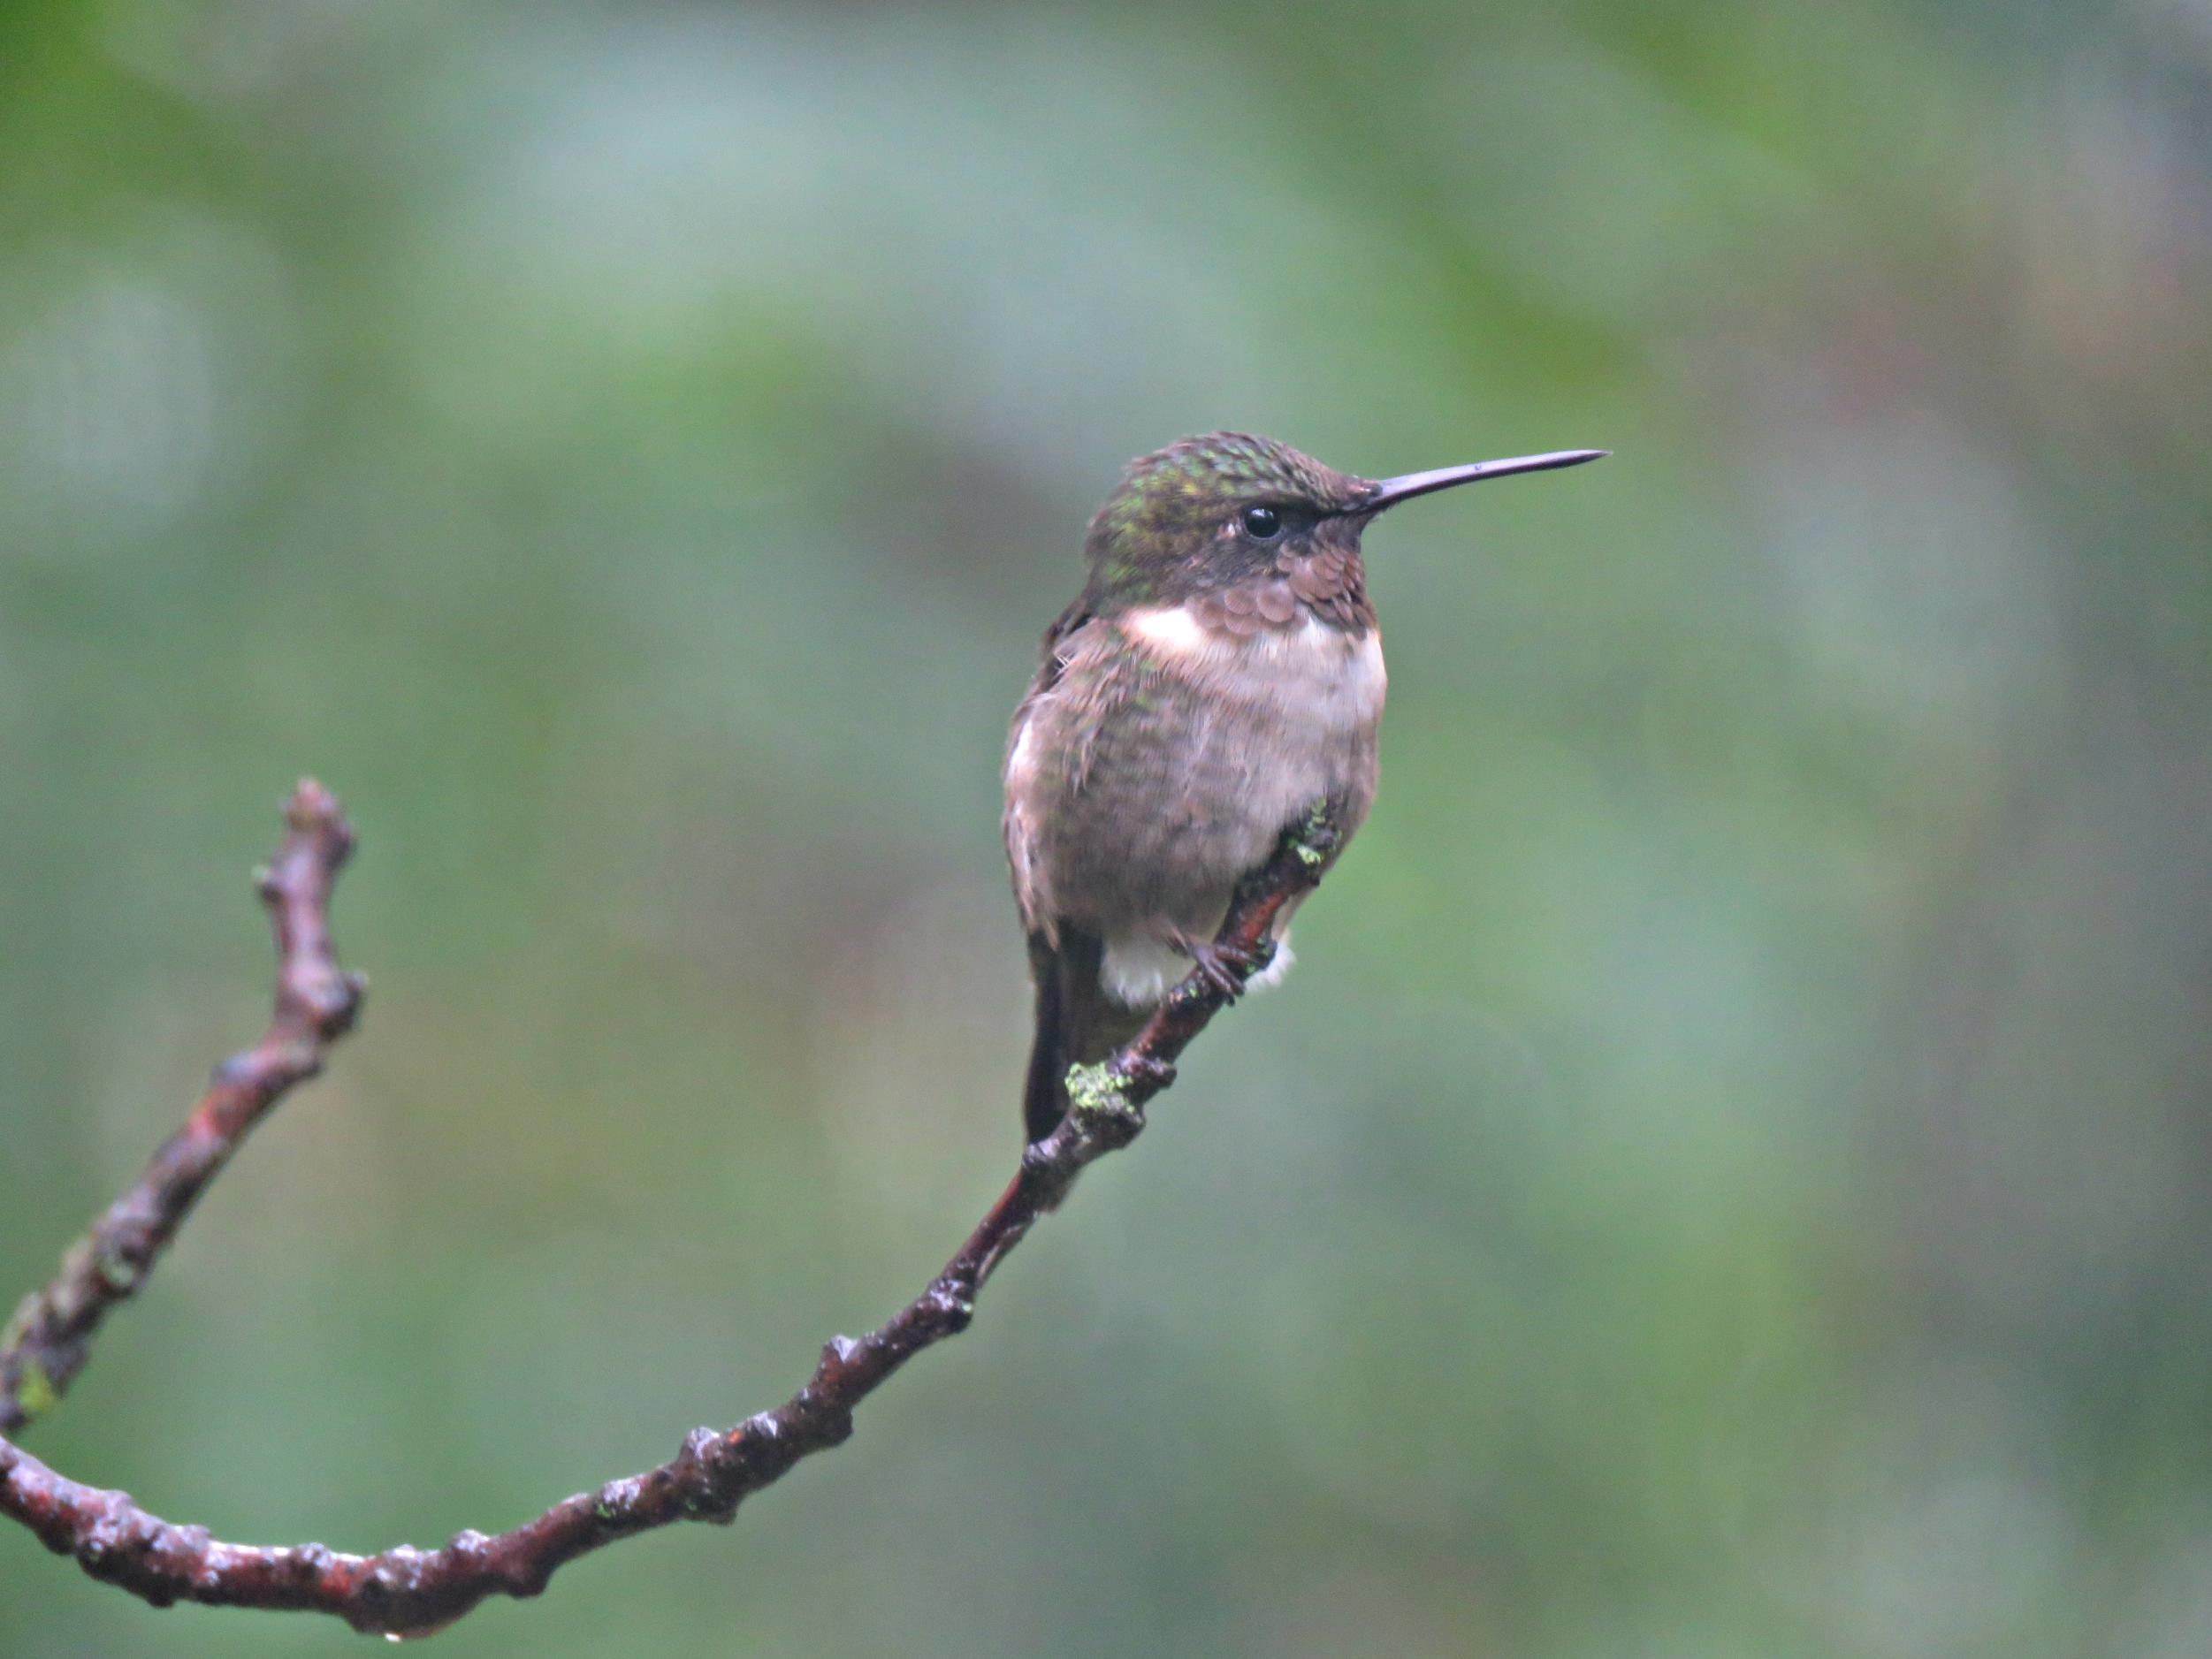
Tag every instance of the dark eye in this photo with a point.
(1262, 524)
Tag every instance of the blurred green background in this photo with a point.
(1729, 1177)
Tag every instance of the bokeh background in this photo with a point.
(1729, 1177)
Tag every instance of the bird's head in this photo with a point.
(1206, 513)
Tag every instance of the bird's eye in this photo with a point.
(1262, 524)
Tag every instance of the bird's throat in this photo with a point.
(1318, 672)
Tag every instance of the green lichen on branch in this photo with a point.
(36, 1394)
(1316, 837)
(1099, 1092)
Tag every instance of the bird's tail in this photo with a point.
(1078, 1023)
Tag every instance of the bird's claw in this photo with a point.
(1225, 966)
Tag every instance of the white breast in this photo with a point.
(1334, 679)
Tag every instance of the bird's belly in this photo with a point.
(1191, 780)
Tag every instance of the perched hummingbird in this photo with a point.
(1219, 674)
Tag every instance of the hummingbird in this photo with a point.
(1220, 673)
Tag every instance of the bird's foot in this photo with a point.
(1225, 967)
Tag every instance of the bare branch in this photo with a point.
(45, 1344)
(411, 1591)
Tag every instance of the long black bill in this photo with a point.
(1391, 491)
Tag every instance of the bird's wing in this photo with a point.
(1057, 725)
(1062, 641)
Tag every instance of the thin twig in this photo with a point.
(408, 1592)
(45, 1344)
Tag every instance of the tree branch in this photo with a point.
(45, 1344)
(409, 1592)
